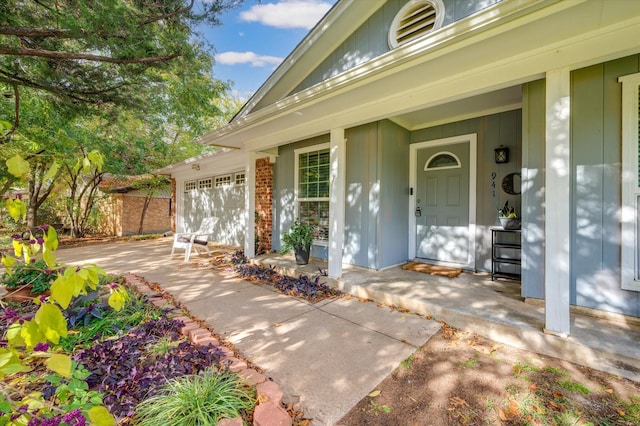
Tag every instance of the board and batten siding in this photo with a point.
(493, 131)
(362, 203)
(393, 160)
(596, 100)
(533, 149)
(369, 41)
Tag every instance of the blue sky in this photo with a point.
(255, 38)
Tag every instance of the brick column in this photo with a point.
(264, 202)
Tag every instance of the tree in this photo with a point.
(150, 186)
(72, 51)
(82, 180)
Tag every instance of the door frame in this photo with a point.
(472, 140)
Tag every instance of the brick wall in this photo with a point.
(264, 202)
(156, 220)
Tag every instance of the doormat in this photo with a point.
(432, 269)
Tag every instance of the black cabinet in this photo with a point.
(506, 253)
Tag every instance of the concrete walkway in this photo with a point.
(325, 357)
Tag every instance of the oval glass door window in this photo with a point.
(511, 183)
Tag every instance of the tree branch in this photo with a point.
(49, 54)
(74, 94)
(167, 15)
(39, 32)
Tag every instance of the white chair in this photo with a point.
(194, 240)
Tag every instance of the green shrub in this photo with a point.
(35, 273)
(197, 400)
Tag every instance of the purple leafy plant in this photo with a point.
(126, 371)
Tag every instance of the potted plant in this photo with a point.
(298, 239)
(508, 217)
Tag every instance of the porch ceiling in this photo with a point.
(487, 103)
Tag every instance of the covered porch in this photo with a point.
(493, 309)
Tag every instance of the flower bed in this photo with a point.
(305, 287)
(123, 366)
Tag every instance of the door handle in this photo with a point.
(418, 212)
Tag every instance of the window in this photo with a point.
(190, 186)
(240, 178)
(630, 233)
(442, 160)
(205, 183)
(312, 189)
(416, 19)
(223, 181)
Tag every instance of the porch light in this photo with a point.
(502, 155)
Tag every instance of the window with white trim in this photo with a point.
(224, 180)
(312, 189)
(416, 19)
(205, 183)
(190, 185)
(630, 217)
(240, 178)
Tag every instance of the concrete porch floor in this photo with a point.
(493, 309)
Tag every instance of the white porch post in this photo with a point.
(557, 203)
(337, 181)
(250, 205)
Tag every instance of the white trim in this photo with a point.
(337, 191)
(223, 180)
(557, 214)
(630, 191)
(451, 154)
(472, 140)
(296, 167)
(439, 10)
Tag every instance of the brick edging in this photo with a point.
(269, 410)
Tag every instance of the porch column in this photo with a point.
(250, 205)
(557, 263)
(337, 181)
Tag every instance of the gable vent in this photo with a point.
(415, 19)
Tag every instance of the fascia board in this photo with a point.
(204, 161)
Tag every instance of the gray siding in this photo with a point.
(362, 196)
(596, 199)
(370, 40)
(533, 145)
(492, 131)
(393, 240)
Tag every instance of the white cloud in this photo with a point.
(251, 58)
(287, 14)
